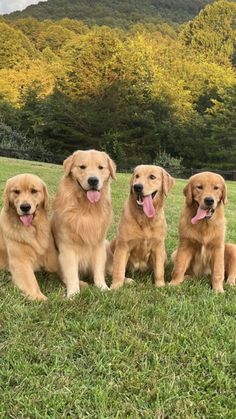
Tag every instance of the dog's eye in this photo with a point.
(33, 191)
(137, 176)
(100, 167)
(216, 188)
(152, 177)
(82, 167)
(199, 187)
(16, 191)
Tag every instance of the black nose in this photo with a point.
(25, 207)
(138, 188)
(93, 181)
(209, 201)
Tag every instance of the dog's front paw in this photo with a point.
(231, 281)
(72, 293)
(160, 284)
(175, 282)
(218, 290)
(103, 287)
(129, 281)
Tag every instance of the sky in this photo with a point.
(8, 6)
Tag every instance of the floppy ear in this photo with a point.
(6, 201)
(67, 165)
(167, 182)
(112, 167)
(131, 182)
(46, 197)
(188, 193)
(224, 194)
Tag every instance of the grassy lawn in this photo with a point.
(138, 352)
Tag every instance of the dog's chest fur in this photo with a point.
(201, 264)
(140, 255)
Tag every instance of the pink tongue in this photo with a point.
(93, 196)
(27, 220)
(201, 213)
(148, 207)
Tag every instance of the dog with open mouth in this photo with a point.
(82, 215)
(202, 250)
(26, 243)
(140, 242)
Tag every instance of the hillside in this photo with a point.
(114, 12)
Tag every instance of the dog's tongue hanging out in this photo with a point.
(93, 196)
(201, 213)
(27, 220)
(148, 207)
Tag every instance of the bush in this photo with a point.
(173, 165)
(15, 144)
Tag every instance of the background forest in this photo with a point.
(137, 79)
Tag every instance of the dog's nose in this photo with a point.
(25, 207)
(93, 181)
(209, 201)
(138, 188)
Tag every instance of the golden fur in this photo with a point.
(140, 240)
(201, 246)
(79, 226)
(25, 249)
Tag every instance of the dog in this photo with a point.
(26, 243)
(82, 215)
(202, 250)
(140, 242)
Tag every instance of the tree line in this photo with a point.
(135, 92)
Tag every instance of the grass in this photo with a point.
(136, 353)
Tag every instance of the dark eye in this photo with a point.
(152, 177)
(216, 188)
(199, 187)
(137, 176)
(33, 191)
(82, 167)
(17, 192)
(100, 167)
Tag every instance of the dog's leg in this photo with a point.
(69, 264)
(119, 265)
(109, 259)
(24, 278)
(159, 258)
(98, 267)
(218, 269)
(182, 260)
(230, 263)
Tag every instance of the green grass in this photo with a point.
(139, 352)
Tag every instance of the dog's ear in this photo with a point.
(167, 182)
(111, 166)
(67, 165)
(46, 197)
(6, 200)
(224, 194)
(131, 182)
(188, 193)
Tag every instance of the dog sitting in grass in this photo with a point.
(140, 242)
(26, 243)
(82, 215)
(202, 250)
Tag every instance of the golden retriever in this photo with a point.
(140, 242)
(82, 215)
(202, 228)
(26, 243)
